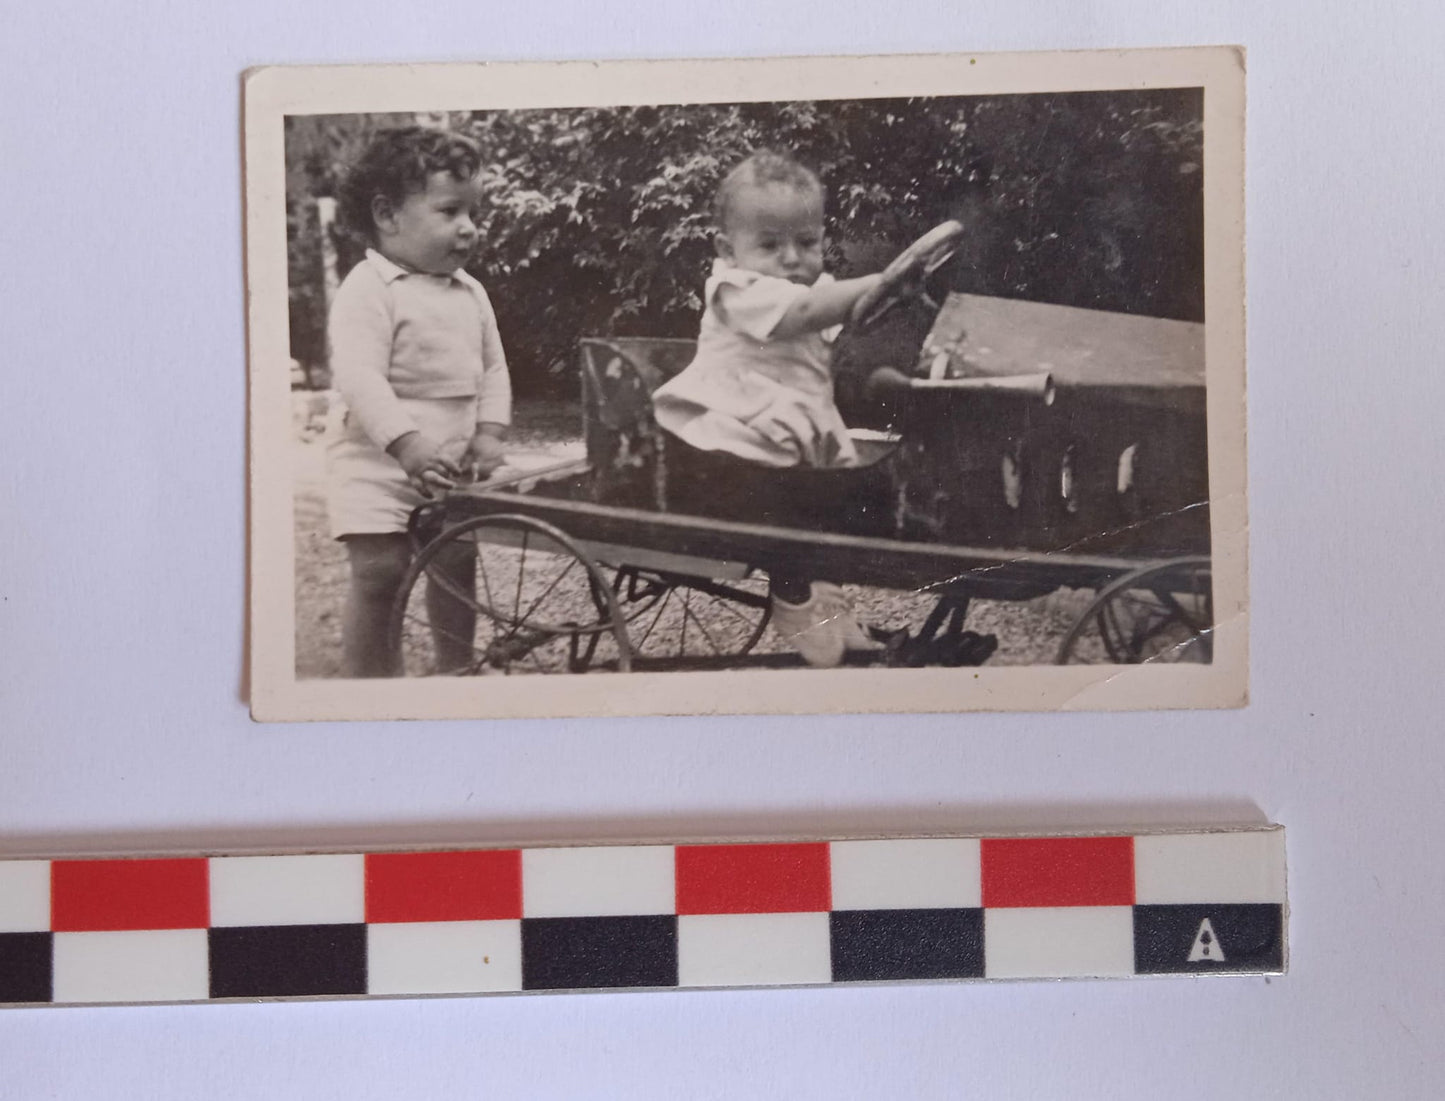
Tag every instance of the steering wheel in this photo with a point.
(903, 279)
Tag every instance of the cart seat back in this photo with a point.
(624, 445)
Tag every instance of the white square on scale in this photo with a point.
(601, 881)
(288, 890)
(1056, 942)
(444, 957)
(24, 896)
(1230, 866)
(145, 965)
(753, 949)
(906, 874)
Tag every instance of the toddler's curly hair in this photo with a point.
(764, 167)
(397, 163)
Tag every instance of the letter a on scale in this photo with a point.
(1206, 946)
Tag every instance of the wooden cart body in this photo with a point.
(1001, 493)
(1114, 466)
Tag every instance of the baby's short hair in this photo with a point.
(766, 166)
(395, 164)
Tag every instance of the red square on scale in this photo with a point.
(448, 886)
(1058, 871)
(88, 896)
(752, 879)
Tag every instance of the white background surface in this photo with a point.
(122, 582)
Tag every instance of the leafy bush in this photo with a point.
(597, 220)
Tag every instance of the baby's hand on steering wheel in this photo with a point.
(910, 284)
(906, 277)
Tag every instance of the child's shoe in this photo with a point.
(854, 636)
(810, 628)
(822, 628)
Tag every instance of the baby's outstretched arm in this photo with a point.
(822, 306)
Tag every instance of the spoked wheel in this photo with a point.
(690, 622)
(1161, 613)
(506, 594)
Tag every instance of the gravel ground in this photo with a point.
(1028, 632)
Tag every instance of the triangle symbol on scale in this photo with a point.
(1206, 947)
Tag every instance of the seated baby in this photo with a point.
(760, 387)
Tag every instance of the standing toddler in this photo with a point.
(422, 378)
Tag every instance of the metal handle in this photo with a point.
(1039, 385)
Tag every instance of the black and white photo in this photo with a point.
(832, 385)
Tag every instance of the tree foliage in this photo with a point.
(597, 220)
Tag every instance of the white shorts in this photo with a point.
(367, 492)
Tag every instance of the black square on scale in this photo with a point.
(587, 953)
(25, 967)
(1202, 938)
(892, 945)
(288, 961)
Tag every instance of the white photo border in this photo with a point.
(270, 94)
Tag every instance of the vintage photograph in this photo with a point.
(690, 396)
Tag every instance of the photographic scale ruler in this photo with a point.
(640, 916)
